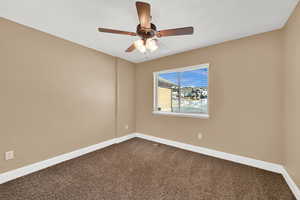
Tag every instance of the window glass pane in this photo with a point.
(168, 92)
(194, 91)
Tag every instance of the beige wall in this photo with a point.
(56, 96)
(291, 116)
(245, 98)
(126, 97)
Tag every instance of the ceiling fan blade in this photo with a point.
(130, 49)
(143, 10)
(176, 31)
(106, 30)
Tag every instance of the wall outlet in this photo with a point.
(200, 136)
(126, 127)
(9, 155)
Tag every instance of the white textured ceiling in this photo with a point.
(214, 21)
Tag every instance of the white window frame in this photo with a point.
(183, 69)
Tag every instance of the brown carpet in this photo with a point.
(143, 170)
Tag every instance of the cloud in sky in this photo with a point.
(196, 78)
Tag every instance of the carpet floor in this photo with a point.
(142, 170)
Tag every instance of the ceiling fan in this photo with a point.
(147, 31)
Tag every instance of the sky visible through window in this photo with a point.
(191, 78)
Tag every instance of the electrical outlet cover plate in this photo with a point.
(9, 155)
(200, 136)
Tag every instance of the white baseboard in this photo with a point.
(10, 175)
(13, 174)
(217, 154)
(293, 186)
(124, 138)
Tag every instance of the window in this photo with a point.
(182, 92)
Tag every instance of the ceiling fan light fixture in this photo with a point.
(147, 31)
(151, 44)
(139, 45)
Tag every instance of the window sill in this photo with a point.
(192, 115)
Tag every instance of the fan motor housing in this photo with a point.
(146, 33)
